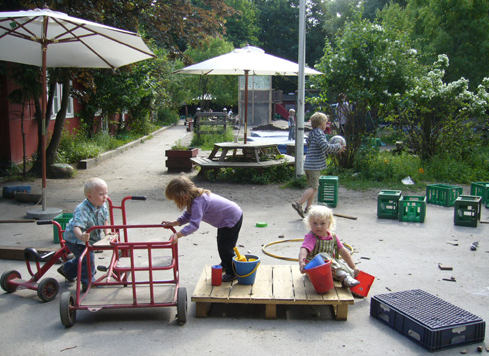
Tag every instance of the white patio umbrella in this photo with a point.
(46, 38)
(246, 61)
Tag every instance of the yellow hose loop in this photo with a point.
(348, 247)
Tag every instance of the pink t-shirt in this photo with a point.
(310, 241)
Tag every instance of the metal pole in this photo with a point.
(299, 140)
(246, 106)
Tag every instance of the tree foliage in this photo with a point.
(369, 63)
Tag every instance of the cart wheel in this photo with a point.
(182, 305)
(48, 289)
(68, 316)
(7, 276)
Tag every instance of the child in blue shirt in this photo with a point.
(91, 212)
(317, 150)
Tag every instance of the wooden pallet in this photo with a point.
(274, 285)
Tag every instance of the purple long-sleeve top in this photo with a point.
(212, 209)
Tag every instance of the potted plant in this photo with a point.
(178, 157)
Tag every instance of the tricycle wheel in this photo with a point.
(48, 289)
(7, 276)
(182, 306)
(67, 311)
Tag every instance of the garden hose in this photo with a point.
(348, 247)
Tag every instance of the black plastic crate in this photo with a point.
(428, 320)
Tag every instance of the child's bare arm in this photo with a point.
(80, 235)
(302, 259)
(347, 257)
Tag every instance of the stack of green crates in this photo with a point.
(412, 208)
(443, 194)
(467, 211)
(62, 219)
(388, 204)
(328, 191)
(481, 189)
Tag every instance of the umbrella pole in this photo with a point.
(43, 113)
(246, 106)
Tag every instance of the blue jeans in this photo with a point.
(292, 133)
(71, 267)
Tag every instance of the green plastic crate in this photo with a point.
(467, 210)
(481, 189)
(443, 194)
(388, 204)
(62, 219)
(328, 191)
(412, 208)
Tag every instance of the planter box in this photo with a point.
(179, 161)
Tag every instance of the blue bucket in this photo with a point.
(246, 271)
(315, 262)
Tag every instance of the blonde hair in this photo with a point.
(183, 192)
(318, 118)
(92, 183)
(291, 111)
(320, 212)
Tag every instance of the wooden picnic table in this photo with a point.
(252, 150)
(243, 155)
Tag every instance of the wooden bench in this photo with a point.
(274, 285)
(208, 164)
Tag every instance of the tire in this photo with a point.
(182, 306)
(48, 289)
(68, 317)
(7, 276)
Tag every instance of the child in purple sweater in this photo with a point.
(201, 205)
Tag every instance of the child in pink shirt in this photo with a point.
(321, 240)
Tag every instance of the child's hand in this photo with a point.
(302, 264)
(175, 238)
(85, 237)
(356, 271)
(169, 223)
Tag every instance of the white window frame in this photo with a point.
(70, 111)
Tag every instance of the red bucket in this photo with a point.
(321, 277)
(366, 281)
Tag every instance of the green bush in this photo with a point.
(206, 141)
(274, 174)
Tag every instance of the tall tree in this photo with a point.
(242, 27)
(457, 28)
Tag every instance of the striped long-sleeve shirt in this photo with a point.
(317, 150)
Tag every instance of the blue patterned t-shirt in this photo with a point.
(85, 216)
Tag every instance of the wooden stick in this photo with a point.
(17, 221)
(345, 216)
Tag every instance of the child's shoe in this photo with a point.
(349, 282)
(61, 271)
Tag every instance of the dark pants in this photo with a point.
(226, 241)
(71, 267)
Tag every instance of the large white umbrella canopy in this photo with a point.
(246, 61)
(46, 38)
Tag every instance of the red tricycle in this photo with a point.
(48, 288)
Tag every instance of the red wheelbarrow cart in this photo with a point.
(39, 264)
(142, 273)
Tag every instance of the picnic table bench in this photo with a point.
(243, 155)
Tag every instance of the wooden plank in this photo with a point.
(299, 283)
(282, 283)
(240, 292)
(203, 288)
(262, 288)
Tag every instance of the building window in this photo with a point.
(57, 103)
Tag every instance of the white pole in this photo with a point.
(299, 139)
